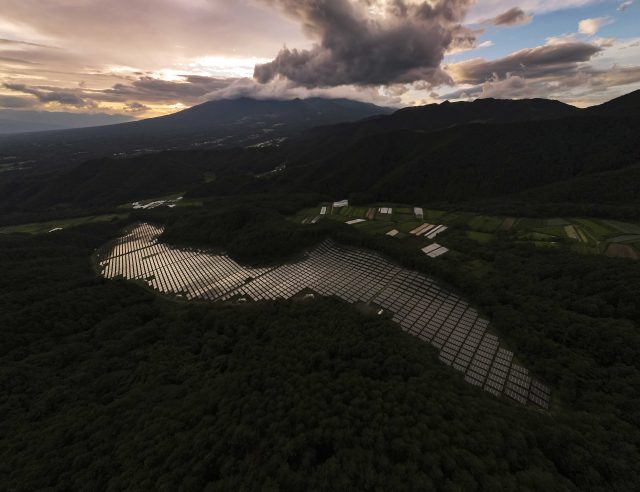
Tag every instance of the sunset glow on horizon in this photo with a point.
(146, 59)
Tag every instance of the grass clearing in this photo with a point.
(626, 238)
(596, 228)
(433, 215)
(408, 226)
(484, 223)
(528, 224)
(623, 227)
(558, 231)
(480, 237)
(557, 222)
(544, 244)
(373, 227)
(538, 236)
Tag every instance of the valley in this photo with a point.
(392, 276)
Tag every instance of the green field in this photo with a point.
(581, 235)
(530, 224)
(480, 237)
(373, 227)
(409, 225)
(557, 231)
(627, 238)
(557, 222)
(545, 244)
(537, 236)
(596, 228)
(484, 223)
(623, 226)
(44, 227)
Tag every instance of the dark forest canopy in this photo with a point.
(105, 385)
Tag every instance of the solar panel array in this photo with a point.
(419, 304)
(194, 274)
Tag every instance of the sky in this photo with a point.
(151, 57)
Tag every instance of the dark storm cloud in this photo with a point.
(189, 88)
(561, 59)
(512, 17)
(404, 45)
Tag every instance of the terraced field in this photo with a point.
(419, 304)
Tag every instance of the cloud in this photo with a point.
(512, 17)
(487, 9)
(15, 102)
(284, 89)
(14, 61)
(509, 87)
(134, 96)
(572, 77)
(14, 42)
(68, 98)
(485, 44)
(605, 42)
(625, 5)
(369, 42)
(344, 48)
(558, 59)
(187, 89)
(136, 107)
(592, 26)
(144, 93)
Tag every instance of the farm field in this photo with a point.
(418, 303)
(582, 235)
(55, 225)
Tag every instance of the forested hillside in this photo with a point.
(105, 385)
(531, 152)
(214, 124)
(473, 161)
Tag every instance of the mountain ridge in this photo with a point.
(214, 124)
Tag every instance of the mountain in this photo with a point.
(257, 115)
(619, 106)
(22, 121)
(466, 152)
(525, 151)
(224, 123)
(109, 182)
(474, 161)
(447, 114)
